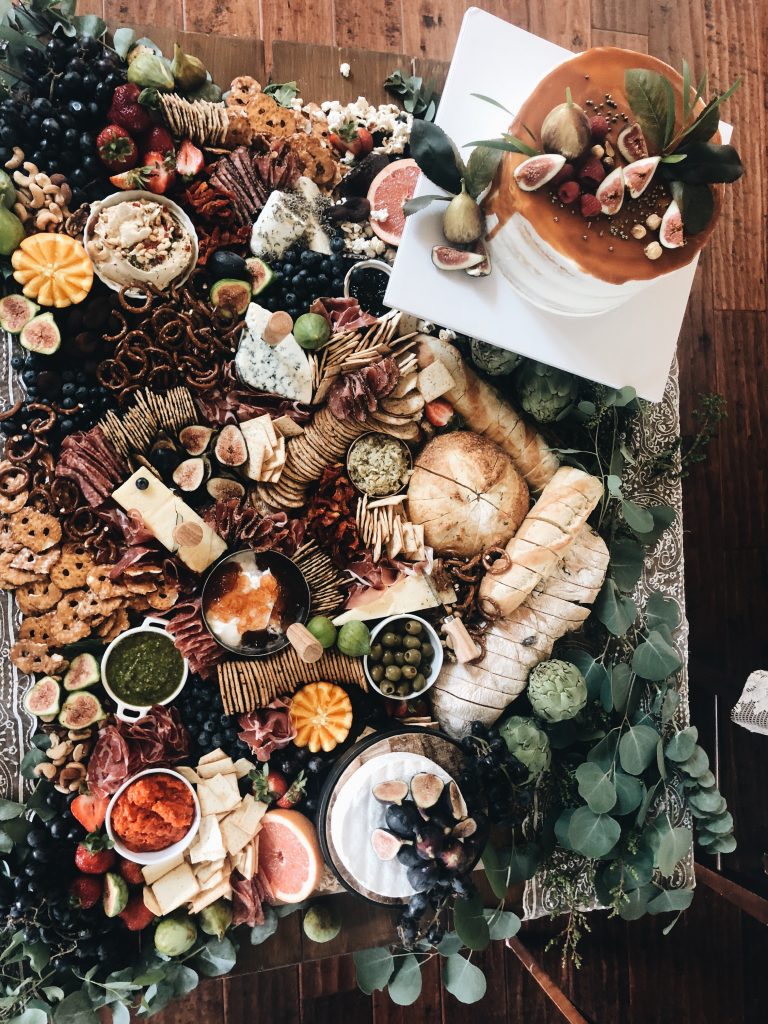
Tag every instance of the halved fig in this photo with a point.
(41, 335)
(190, 474)
(638, 175)
(195, 439)
(536, 171)
(467, 827)
(445, 257)
(15, 312)
(393, 791)
(632, 144)
(230, 448)
(386, 845)
(671, 229)
(222, 488)
(482, 269)
(458, 803)
(610, 194)
(426, 789)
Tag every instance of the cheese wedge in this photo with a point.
(282, 369)
(409, 594)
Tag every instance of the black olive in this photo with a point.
(142, 483)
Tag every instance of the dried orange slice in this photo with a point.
(322, 716)
(54, 269)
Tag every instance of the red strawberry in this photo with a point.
(127, 111)
(158, 139)
(160, 172)
(590, 205)
(93, 856)
(131, 872)
(189, 160)
(294, 793)
(85, 891)
(136, 915)
(117, 150)
(439, 412)
(267, 785)
(89, 810)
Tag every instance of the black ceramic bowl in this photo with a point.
(294, 591)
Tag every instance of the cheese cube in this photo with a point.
(435, 380)
(177, 887)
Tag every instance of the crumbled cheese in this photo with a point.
(348, 158)
(446, 334)
(344, 70)
(425, 327)
(360, 240)
(388, 119)
(379, 215)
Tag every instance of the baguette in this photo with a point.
(486, 412)
(544, 537)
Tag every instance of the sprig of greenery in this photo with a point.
(677, 459)
(417, 96)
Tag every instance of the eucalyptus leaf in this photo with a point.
(645, 806)
(616, 611)
(604, 752)
(593, 835)
(502, 924)
(405, 986)
(613, 485)
(594, 673)
(625, 695)
(707, 802)
(524, 860)
(90, 25)
(635, 904)
(261, 932)
(670, 846)
(661, 610)
(10, 809)
(682, 744)
(626, 562)
(463, 979)
(655, 659)
(217, 957)
(122, 40)
(596, 787)
(434, 153)
(450, 942)
(31, 1016)
(374, 968)
(650, 98)
(697, 764)
(629, 792)
(670, 899)
(723, 844)
(411, 206)
(75, 1008)
(663, 516)
(561, 826)
(29, 762)
(481, 167)
(721, 824)
(637, 517)
(470, 924)
(637, 748)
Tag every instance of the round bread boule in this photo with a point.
(466, 493)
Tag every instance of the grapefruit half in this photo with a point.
(392, 187)
(289, 855)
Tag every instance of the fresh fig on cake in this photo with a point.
(482, 269)
(638, 175)
(632, 144)
(566, 129)
(671, 229)
(610, 193)
(445, 257)
(537, 171)
(463, 221)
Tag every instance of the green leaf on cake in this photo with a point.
(708, 163)
(481, 167)
(697, 205)
(433, 151)
(652, 101)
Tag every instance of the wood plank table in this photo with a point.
(710, 968)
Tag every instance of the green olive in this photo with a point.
(399, 657)
(393, 673)
(387, 689)
(409, 672)
(377, 673)
(391, 640)
(376, 652)
(411, 641)
(413, 627)
(427, 650)
(404, 689)
(413, 657)
(388, 658)
(419, 681)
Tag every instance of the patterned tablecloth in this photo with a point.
(664, 571)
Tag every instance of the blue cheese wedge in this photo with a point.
(288, 218)
(281, 369)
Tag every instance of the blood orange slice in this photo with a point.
(289, 855)
(392, 187)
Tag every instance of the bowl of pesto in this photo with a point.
(141, 668)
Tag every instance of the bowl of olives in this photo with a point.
(405, 659)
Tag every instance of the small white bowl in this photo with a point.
(437, 661)
(129, 196)
(154, 856)
(130, 712)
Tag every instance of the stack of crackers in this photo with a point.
(383, 527)
(203, 122)
(265, 440)
(226, 841)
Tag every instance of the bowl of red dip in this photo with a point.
(153, 816)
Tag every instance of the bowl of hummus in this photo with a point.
(135, 238)
(153, 816)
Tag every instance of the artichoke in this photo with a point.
(492, 360)
(557, 690)
(528, 743)
(545, 393)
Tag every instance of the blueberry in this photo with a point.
(291, 298)
(337, 244)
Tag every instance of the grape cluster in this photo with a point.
(302, 275)
(498, 774)
(34, 896)
(202, 712)
(60, 106)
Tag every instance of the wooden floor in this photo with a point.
(711, 968)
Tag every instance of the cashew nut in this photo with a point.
(21, 212)
(45, 770)
(21, 179)
(46, 220)
(30, 168)
(38, 196)
(49, 188)
(42, 179)
(16, 159)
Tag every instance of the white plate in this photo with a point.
(631, 345)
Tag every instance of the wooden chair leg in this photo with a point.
(555, 994)
(745, 900)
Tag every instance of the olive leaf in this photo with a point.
(652, 101)
(495, 103)
(697, 205)
(411, 206)
(481, 167)
(434, 152)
